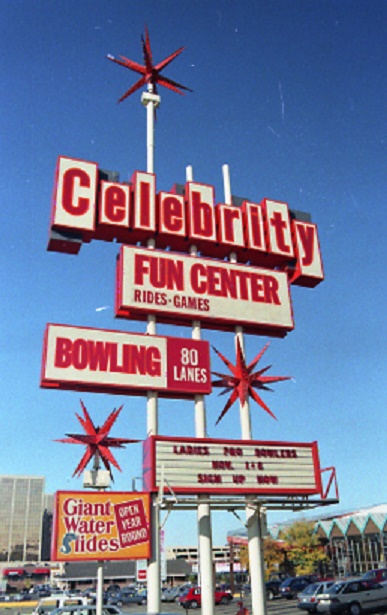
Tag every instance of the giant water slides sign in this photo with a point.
(226, 467)
(85, 359)
(221, 295)
(100, 526)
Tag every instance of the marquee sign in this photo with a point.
(181, 288)
(265, 234)
(226, 467)
(85, 359)
(100, 526)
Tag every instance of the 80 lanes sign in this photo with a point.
(85, 359)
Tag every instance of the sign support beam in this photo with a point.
(206, 568)
(151, 101)
(255, 546)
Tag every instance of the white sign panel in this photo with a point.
(231, 466)
(179, 289)
(99, 360)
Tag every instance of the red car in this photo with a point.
(192, 598)
(379, 575)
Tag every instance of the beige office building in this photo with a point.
(21, 514)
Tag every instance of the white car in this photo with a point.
(309, 597)
(353, 597)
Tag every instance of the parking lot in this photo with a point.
(278, 606)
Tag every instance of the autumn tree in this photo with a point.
(273, 553)
(244, 558)
(303, 548)
(274, 556)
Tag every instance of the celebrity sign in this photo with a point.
(100, 526)
(265, 234)
(84, 359)
(226, 467)
(221, 295)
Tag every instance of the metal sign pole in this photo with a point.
(152, 101)
(257, 577)
(207, 581)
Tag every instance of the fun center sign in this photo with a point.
(100, 526)
(220, 295)
(103, 361)
(231, 467)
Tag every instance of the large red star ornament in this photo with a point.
(97, 441)
(243, 381)
(151, 73)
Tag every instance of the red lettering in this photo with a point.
(144, 205)
(73, 178)
(254, 225)
(80, 354)
(99, 353)
(243, 276)
(228, 277)
(144, 201)
(114, 365)
(280, 226)
(63, 352)
(115, 203)
(306, 235)
(172, 214)
(271, 286)
(138, 360)
(153, 358)
(257, 288)
(198, 278)
(141, 268)
(230, 224)
(163, 272)
(202, 223)
(214, 282)
(202, 214)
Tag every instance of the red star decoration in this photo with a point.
(243, 381)
(151, 73)
(97, 441)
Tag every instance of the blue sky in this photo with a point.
(291, 95)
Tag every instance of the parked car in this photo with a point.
(353, 597)
(93, 597)
(21, 597)
(40, 592)
(53, 602)
(137, 597)
(309, 597)
(86, 610)
(272, 589)
(114, 587)
(172, 594)
(122, 597)
(294, 585)
(192, 598)
(379, 575)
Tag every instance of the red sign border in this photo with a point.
(185, 319)
(55, 527)
(149, 467)
(122, 390)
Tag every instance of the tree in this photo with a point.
(274, 555)
(303, 547)
(244, 557)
